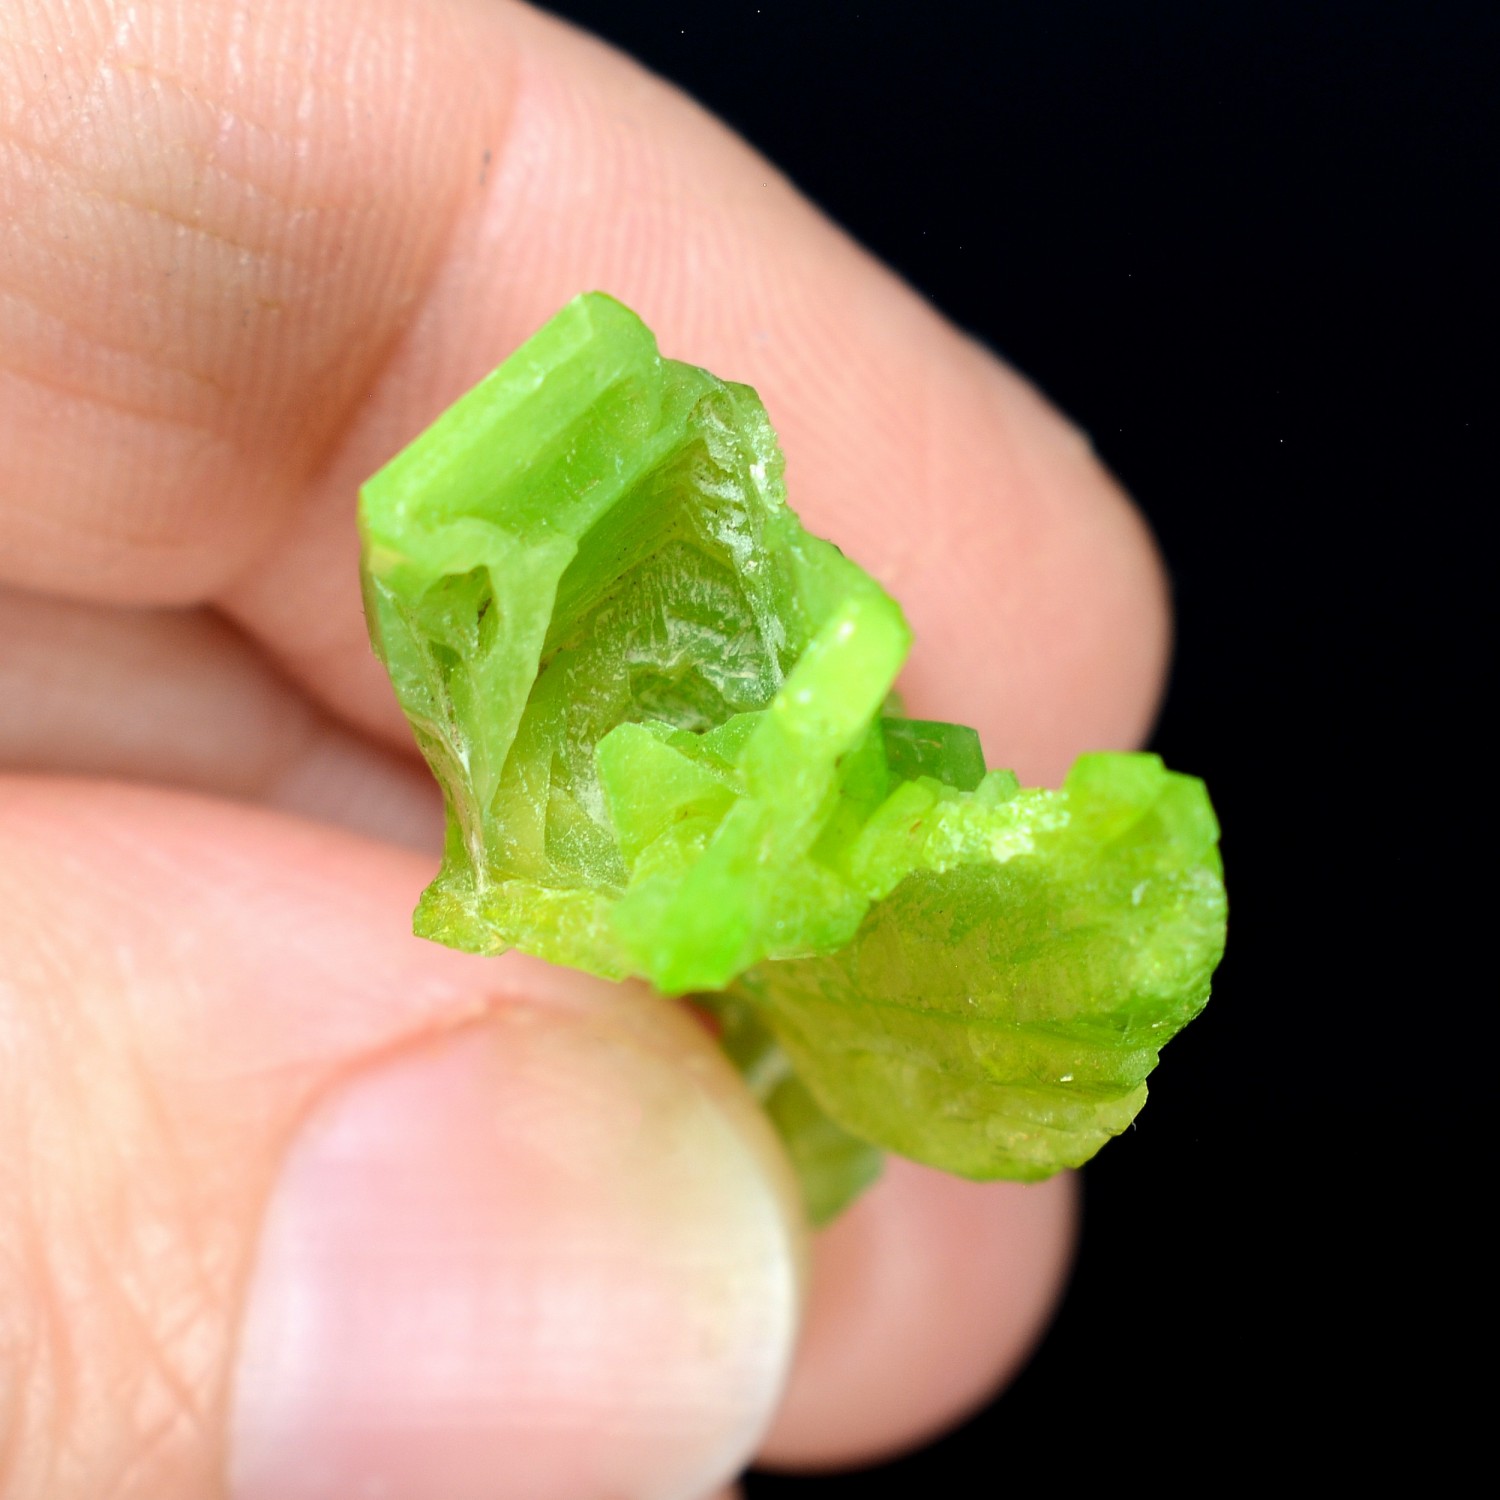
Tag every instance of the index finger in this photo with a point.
(248, 255)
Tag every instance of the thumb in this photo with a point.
(294, 1206)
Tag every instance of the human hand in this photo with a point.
(291, 1204)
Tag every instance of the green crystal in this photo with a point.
(1031, 954)
(833, 1166)
(661, 715)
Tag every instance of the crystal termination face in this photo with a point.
(661, 715)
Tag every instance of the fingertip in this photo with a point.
(496, 1229)
(553, 1254)
(926, 1298)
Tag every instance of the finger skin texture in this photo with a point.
(262, 247)
(214, 219)
(964, 1276)
(490, 1228)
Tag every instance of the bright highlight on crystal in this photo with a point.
(661, 716)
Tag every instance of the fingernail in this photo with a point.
(551, 1255)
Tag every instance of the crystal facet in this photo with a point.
(661, 715)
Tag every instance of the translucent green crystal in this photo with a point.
(661, 716)
(832, 1165)
(1027, 957)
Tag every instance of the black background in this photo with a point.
(1245, 246)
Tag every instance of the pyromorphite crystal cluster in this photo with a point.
(661, 715)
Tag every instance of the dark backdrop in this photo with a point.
(1245, 246)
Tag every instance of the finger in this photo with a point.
(293, 1205)
(927, 1296)
(214, 221)
(180, 697)
(511, 163)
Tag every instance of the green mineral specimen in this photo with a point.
(660, 713)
